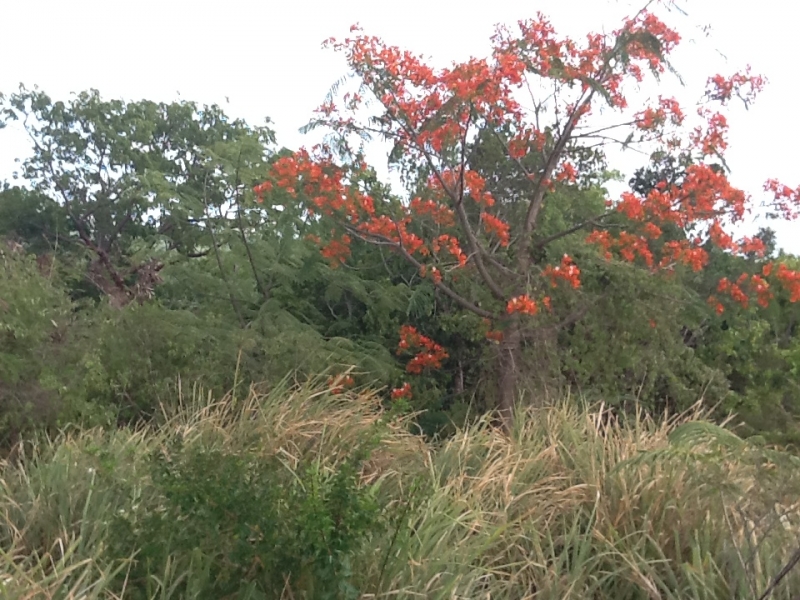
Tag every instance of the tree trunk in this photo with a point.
(508, 375)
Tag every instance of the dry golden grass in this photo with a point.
(571, 505)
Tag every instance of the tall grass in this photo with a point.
(299, 493)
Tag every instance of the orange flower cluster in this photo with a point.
(429, 354)
(734, 290)
(494, 336)
(711, 140)
(705, 194)
(438, 212)
(413, 94)
(652, 231)
(453, 247)
(754, 284)
(567, 173)
(683, 252)
(567, 270)
(649, 24)
(394, 230)
(632, 245)
(261, 189)
(403, 391)
(435, 274)
(475, 186)
(761, 289)
(602, 238)
(337, 251)
(790, 280)
(785, 199)
(719, 236)
(499, 228)
(527, 140)
(652, 118)
(744, 85)
(537, 49)
(327, 192)
(631, 206)
(751, 245)
(718, 307)
(522, 304)
(432, 116)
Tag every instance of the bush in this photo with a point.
(35, 313)
(255, 525)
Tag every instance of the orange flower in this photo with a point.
(522, 304)
(567, 271)
(403, 391)
(494, 336)
(496, 226)
(429, 355)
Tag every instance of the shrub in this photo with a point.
(256, 524)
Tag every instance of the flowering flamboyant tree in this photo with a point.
(453, 229)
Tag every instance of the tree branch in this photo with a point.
(477, 250)
(577, 227)
(237, 197)
(570, 319)
(378, 239)
(231, 296)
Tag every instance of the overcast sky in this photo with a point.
(263, 59)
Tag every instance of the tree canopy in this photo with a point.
(505, 211)
(160, 244)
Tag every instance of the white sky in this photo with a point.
(264, 59)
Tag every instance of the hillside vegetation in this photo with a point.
(230, 369)
(300, 493)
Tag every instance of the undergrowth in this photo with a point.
(300, 493)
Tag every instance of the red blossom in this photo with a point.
(429, 354)
(403, 391)
(743, 85)
(497, 227)
(790, 280)
(522, 304)
(567, 270)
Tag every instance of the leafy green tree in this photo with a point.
(133, 179)
(152, 204)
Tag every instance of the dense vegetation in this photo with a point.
(303, 493)
(136, 254)
(197, 402)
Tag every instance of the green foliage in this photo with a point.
(139, 356)
(130, 179)
(631, 345)
(31, 307)
(758, 350)
(35, 313)
(33, 219)
(256, 526)
(139, 278)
